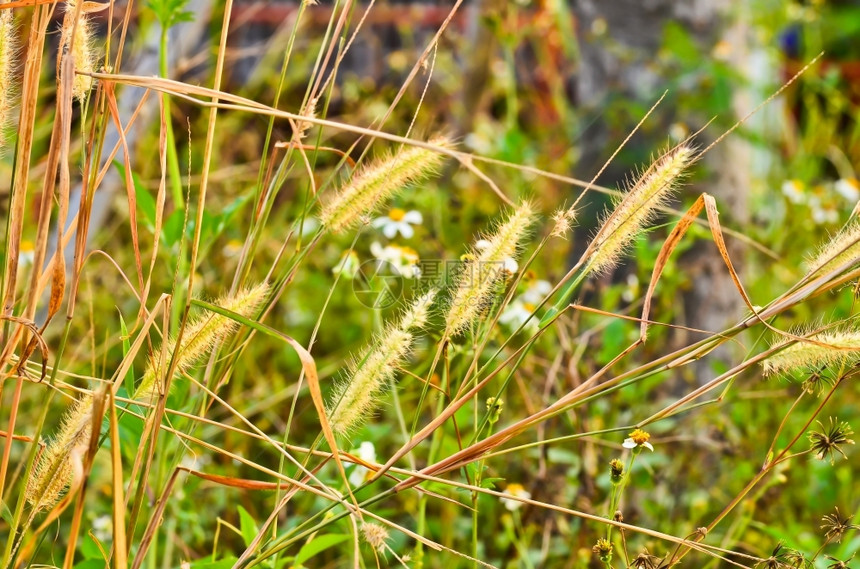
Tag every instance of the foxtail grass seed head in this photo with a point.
(616, 471)
(375, 535)
(7, 65)
(355, 397)
(563, 221)
(844, 247)
(484, 267)
(842, 348)
(199, 337)
(83, 50)
(637, 207)
(55, 469)
(378, 181)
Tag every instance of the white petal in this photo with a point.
(628, 443)
(414, 217)
(481, 244)
(405, 229)
(377, 250)
(649, 446)
(511, 265)
(390, 230)
(379, 222)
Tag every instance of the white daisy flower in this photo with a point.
(398, 221)
(403, 260)
(638, 439)
(793, 190)
(523, 307)
(848, 188)
(232, 249)
(826, 214)
(510, 264)
(366, 452)
(517, 491)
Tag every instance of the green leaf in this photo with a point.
(247, 525)
(170, 12)
(145, 201)
(225, 563)
(128, 382)
(318, 545)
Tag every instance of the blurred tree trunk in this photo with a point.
(619, 45)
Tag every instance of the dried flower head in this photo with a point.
(827, 442)
(603, 550)
(375, 535)
(62, 457)
(375, 183)
(646, 561)
(309, 111)
(784, 558)
(835, 526)
(354, 398)
(198, 339)
(837, 564)
(836, 347)
(638, 206)
(484, 268)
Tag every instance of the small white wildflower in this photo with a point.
(232, 249)
(366, 452)
(678, 131)
(521, 309)
(848, 188)
(516, 491)
(398, 221)
(632, 289)
(403, 260)
(638, 439)
(793, 190)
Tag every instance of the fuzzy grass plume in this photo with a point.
(7, 51)
(806, 356)
(82, 48)
(378, 181)
(356, 397)
(483, 268)
(55, 469)
(637, 207)
(199, 337)
(844, 247)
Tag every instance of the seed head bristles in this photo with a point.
(56, 466)
(563, 221)
(355, 397)
(637, 207)
(82, 50)
(806, 356)
(375, 535)
(199, 337)
(844, 247)
(375, 183)
(483, 268)
(7, 50)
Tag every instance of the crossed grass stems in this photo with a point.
(158, 418)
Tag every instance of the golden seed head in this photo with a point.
(376, 183)
(199, 338)
(82, 49)
(485, 267)
(563, 222)
(638, 206)
(62, 457)
(355, 397)
(7, 65)
(844, 247)
(830, 348)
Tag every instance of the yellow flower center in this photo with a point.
(639, 436)
(396, 214)
(529, 306)
(515, 489)
(27, 246)
(854, 183)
